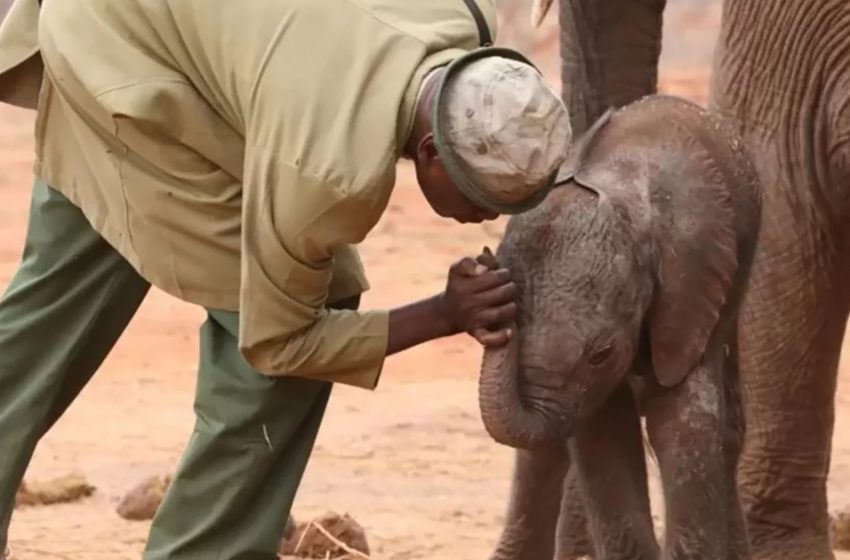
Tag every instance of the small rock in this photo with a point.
(141, 503)
(309, 542)
(61, 490)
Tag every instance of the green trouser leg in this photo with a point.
(70, 300)
(67, 304)
(235, 484)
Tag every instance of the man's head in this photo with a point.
(488, 137)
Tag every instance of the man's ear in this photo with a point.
(426, 150)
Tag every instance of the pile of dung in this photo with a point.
(142, 501)
(62, 490)
(328, 536)
(839, 529)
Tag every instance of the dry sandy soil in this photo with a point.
(410, 461)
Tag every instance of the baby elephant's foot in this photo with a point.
(576, 549)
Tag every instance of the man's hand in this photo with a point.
(479, 300)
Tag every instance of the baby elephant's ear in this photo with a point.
(696, 253)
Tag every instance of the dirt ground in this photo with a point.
(410, 461)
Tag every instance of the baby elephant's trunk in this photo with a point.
(506, 419)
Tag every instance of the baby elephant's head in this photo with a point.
(644, 253)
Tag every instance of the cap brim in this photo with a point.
(453, 165)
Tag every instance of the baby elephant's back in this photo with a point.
(690, 161)
(728, 153)
(707, 140)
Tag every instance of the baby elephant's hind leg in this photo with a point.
(687, 427)
(733, 441)
(573, 538)
(608, 455)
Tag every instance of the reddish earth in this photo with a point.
(410, 461)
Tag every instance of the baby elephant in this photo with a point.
(630, 273)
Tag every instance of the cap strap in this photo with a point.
(484, 37)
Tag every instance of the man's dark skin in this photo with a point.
(479, 296)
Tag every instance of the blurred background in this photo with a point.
(410, 461)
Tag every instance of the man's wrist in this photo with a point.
(441, 317)
(417, 323)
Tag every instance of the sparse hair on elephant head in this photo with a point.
(636, 262)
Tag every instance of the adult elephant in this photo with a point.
(782, 78)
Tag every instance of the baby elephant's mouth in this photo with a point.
(558, 411)
(550, 393)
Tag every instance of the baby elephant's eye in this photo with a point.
(599, 350)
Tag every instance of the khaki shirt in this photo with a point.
(235, 152)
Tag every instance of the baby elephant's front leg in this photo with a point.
(608, 455)
(688, 427)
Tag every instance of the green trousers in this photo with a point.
(63, 311)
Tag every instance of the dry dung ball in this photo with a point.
(141, 503)
(308, 541)
(839, 528)
(61, 490)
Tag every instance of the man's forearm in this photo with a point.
(416, 323)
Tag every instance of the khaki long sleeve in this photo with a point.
(235, 153)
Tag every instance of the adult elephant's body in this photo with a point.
(782, 78)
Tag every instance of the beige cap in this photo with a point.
(504, 130)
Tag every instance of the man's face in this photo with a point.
(439, 190)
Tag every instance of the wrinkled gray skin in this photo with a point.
(634, 267)
(782, 79)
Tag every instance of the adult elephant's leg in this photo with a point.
(791, 335)
(609, 54)
(791, 330)
(529, 532)
(777, 75)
